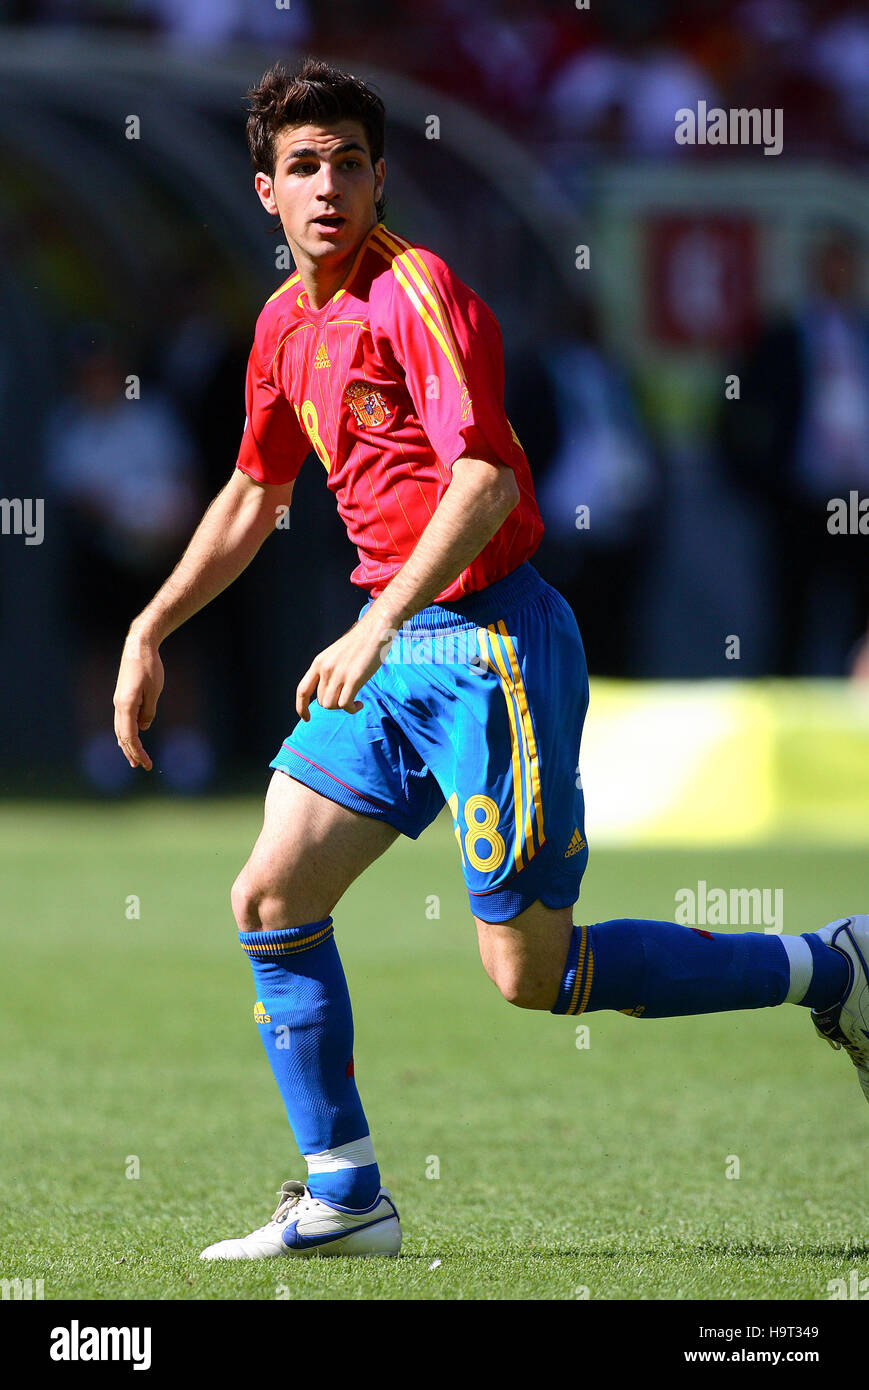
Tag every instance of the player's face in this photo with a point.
(324, 189)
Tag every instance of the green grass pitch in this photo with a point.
(564, 1172)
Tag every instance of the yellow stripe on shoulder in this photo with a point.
(431, 323)
(288, 284)
(386, 243)
(394, 244)
(415, 270)
(412, 259)
(381, 250)
(406, 267)
(413, 263)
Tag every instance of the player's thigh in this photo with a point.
(308, 852)
(526, 955)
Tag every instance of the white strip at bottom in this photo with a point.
(802, 964)
(357, 1154)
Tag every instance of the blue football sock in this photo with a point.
(660, 970)
(306, 1026)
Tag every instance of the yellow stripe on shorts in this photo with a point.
(515, 749)
(528, 727)
(512, 682)
(522, 802)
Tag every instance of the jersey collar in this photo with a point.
(302, 297)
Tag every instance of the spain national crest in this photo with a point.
(367, 403)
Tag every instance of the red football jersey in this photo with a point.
(396, 377)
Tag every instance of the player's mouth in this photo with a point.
(329, 223)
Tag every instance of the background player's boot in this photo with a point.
(846, 1024)
(304, 1225)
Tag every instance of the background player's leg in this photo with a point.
(654, 969)
(309, 851)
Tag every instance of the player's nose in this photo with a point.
(327, 183)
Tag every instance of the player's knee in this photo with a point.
(255, 907)
(258, 906)
(521, 990)
(245, 903)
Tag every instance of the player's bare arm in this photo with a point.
(478, 500)
(227, 538)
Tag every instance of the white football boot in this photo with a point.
(846, 1024)
(304, 1225)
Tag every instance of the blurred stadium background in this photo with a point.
(133, 247)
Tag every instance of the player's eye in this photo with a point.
(352, 163)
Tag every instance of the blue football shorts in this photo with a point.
(478, 705)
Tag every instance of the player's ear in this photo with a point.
(265, 192)
(379, 178)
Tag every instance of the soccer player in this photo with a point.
(463, 682)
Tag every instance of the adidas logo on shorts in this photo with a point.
(576, 844)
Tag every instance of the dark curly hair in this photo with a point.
(318, 94)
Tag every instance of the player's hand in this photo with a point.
(140, 681)
(341, 670)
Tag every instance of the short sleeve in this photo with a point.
(447, 343)
(273, 446)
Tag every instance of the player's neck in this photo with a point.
(321, 283)
(322, 280)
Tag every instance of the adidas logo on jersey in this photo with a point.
(322, 358)
(576, 844)
(259, 1013)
